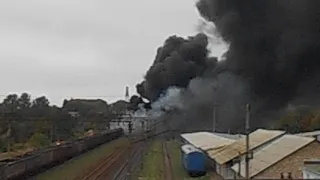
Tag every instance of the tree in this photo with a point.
(40, 102)
(134, 103)
(299, 120)
(11, 103)
(38, 140)
(24, 101)
(315, 121)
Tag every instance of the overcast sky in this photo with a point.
(85, 48)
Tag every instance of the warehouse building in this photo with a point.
(207, 140)
(282, 157)
(315, 134)
(224, 158)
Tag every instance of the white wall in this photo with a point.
(225, 171)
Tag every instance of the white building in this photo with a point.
(224, 158)
(273, 159)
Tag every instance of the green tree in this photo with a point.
(11, 103)
(24, 101)
(298, 120)
(40, 102)
(38, 140)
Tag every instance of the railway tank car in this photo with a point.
(33, 163)
(193, 160)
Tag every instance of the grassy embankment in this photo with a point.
(73, 168)
(153, 165)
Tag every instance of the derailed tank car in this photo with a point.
(193, 160)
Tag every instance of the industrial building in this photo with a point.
(224, 158)
(285, 156)
(275, 154)
(206, 140)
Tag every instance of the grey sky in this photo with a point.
(85, 48)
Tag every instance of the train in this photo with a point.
(35, 162)
(193, 160)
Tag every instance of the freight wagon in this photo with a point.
(48, 157)
(193, 160)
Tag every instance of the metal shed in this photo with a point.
(272, 153)
(206, 140)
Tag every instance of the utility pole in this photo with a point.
(214, 124)
(214, 116)
(9, 137)
(248, 153)
(52, 131)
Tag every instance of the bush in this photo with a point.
(18, 146)
(300, 120)
(38, 140)
(3, 146)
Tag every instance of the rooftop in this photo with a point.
(310, 134)
(189, 148)
(231, 151)
(273, 153)
(206, 140)
(229, 136)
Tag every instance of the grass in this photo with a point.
(71, 169)
(153, 167)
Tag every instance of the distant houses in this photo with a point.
(275, 154)
(74, 114)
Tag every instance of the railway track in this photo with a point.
(132, 163)
(104, 169)
(167, 162)
(119, 165)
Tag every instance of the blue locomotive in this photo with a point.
(194, 160)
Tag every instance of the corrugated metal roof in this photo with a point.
(188, 148)
(273, 153)
(229, 136)
(206, 140)
(257, 138)
(309, 134)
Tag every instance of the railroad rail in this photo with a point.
(103, 169)
(121, 164)
(132, 163)
(167, 162)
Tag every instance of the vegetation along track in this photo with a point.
(103, 170)
(167, 162)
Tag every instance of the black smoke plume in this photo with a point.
(177, 62)
(273, 44)
(272, 60)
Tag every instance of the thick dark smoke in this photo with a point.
(177, 62)
(273, 60)
(274, 44)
